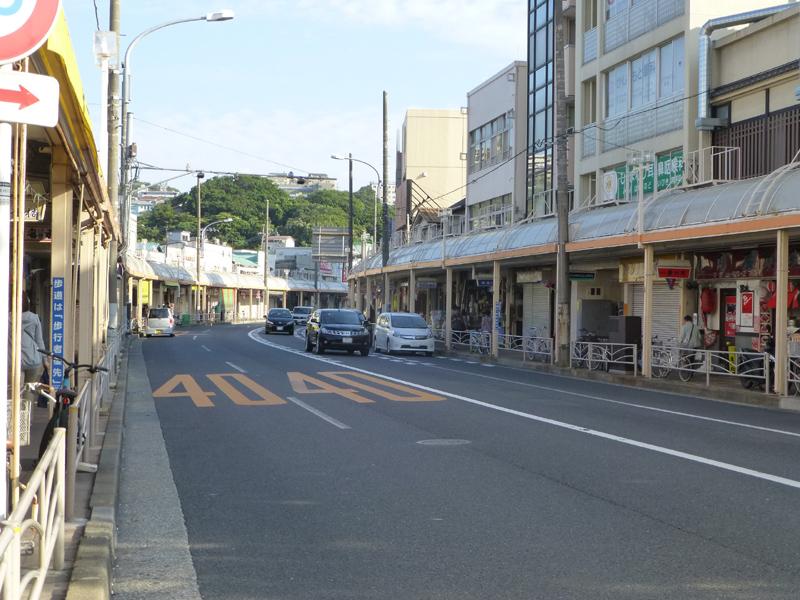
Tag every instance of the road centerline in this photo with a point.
(317, 412)
(561, 424)
(233, 366)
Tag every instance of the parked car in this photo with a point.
(337, 329)
(160, 322)
(300, 314)
(279, 320)
(403, 332)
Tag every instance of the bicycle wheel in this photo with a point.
(599, 359)
(687, 365)
(660, 367)
(579, 359)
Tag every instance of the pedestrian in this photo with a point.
(32, 361)
(691, 340)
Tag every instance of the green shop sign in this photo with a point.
(669, 173)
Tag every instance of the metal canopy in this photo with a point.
(778, 192)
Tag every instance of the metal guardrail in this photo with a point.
(793, 374)
(599, 356)
(754, 369)
(532, 348)
(40, 510)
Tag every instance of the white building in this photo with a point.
(496, 184)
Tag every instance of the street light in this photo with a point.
(349, 157)
(200, 176)
(212, 17)
(203, 231)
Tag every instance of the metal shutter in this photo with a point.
(536, 308)
(666, 309)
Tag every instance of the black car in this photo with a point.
(337, 329)
(279, 320)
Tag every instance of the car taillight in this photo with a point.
(171, 321)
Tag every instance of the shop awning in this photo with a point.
(685, 208)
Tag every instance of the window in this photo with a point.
(671, 68)
(490, 143)
(490, 213)
(615, 7)
(643, 80)
(617, 90)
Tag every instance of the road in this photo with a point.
(292, 476)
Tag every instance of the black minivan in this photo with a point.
(337, 329)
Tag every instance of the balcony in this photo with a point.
(589, 45)
(637, 20)
(647, 123)
(589, 138)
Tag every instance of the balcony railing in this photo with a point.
(715, 163)
(492, 218)
(589, 45)
(589, 137)
(637, 20)
(663, 117)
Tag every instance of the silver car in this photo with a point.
(403, 332)
(160, 322)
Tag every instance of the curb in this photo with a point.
(91, 572)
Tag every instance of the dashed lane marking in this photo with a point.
(206, 348)
(319, 413)
(233, 366)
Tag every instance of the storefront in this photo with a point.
(534, 304)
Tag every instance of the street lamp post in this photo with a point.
(350, 158)
(127, 74)
(196, 304)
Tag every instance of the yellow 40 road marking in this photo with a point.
(351, 386)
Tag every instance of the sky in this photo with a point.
(287, 83)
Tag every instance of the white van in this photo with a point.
(160, 322)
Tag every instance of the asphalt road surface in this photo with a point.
(330, 477)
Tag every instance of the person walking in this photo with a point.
(32, 361)
(691, 340)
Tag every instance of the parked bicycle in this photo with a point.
(61, 398)
(536, 348)
(663, 357)
(480, 342)
(590, 352)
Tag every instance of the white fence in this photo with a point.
(530, 348)
(602, 356)
(37, 521)
(752, 369)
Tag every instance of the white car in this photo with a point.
(160, 322)
(403, 332)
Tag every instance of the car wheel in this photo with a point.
(429, 354)
(388, 348)
(351, 352)
(290, 331)
(308, 344)
(266, 331)
(318, 347)
(365, 351)
(171, 335)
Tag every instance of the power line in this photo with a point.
(218, 145)
(96, 15)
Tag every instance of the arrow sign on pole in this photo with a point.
(28, 98)
(21, 96)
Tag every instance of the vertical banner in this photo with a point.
(730, 316)
(746, 318)
(57, 339)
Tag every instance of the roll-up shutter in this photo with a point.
(536, 308)
(666, 309)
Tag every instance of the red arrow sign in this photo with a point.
(22, 96)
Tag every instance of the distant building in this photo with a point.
(390, 192)
(298, 185)
(147, 199)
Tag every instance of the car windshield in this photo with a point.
(302, 310)
(408, 322)
(340, 317)
(159, 313)
(276, 313)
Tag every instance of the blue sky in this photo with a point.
(293, 81)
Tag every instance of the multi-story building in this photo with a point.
(496, 156)
(431, 165)
(298, 185)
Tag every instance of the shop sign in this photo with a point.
(581, 276)
(529, 277)
(746, 318)
(669, 174)
(485, 283)
(674, 272)
(426, 284)
(57, 337)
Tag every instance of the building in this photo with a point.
(147, 199)
(298, 185)
(390, 192)
(497, 157)
(431, 164)
(674, 95)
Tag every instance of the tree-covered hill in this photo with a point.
(244, 198)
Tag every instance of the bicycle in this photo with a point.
(662, 362)
(480, 342)
(536, 348)
(688, 363)
(62, 398)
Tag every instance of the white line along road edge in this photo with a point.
(253, 335)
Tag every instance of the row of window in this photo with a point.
(490, 213)
(491, 143)
(656, 74)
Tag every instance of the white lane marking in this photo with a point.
(487, 365)
(206, 348)
(233, 366)
(317, 412)
(194, 337)
(564, 425)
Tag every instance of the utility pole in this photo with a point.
(350, 215)
(197, 244)
(113, 170)
(385, 240)
(266, 261)
(562, 199)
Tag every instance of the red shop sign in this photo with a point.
(674, 272)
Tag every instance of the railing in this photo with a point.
(601, 356)
(642, 123)
(589, 140)
(793, 374)
(484, 219)
(531, 348)
(589, 45)
(715, 163)
(642, 17)
(753, 369)
(40, 510)
(543, 204)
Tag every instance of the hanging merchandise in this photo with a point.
(730, 316)
(708, 305)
